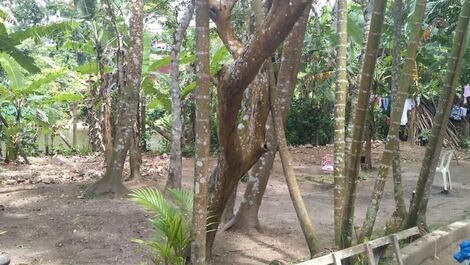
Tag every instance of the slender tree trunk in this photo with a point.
(135, 158)
(111, 183)
(174, 174)
(367, 13)
(367, 73)
(392, 137)
(143, 120)
(246, 217)
(417, 214)
(396, 61)
(46, 144)
(106, 105)
(340, 112)
(201, 166)
(95, 138)
(74, 125)
(294, 191)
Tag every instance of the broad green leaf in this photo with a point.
(187, 89)
(217, 58)
(161, 102)
(66, 97)
(3, 30)
(43, 30)
(159, 63)
(147, 51)
(165, 61)
(185, 59)
(354, 28)
(148, 86)
(5, 92)
(91, 68)
(45, 79)
(13, 71)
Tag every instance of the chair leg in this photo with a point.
(444, 180)
(448, 178)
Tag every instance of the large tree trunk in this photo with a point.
(240, 145)
(367, 73)
(174, 174)
(111, 183)
(397, 109)
(246, 217)
(340, 112)
(202, 130)
(417, 214)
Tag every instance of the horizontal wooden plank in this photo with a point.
(357, 249)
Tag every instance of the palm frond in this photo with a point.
(183, 199)
(152, 200)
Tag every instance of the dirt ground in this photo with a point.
(49, 222)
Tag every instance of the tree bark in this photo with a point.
(367, 72)
(174, 173)
(74, 125)
(392, 137)
(95, 137)
(111, 183)
(239, 152)
(396, 61)
(106, 105)
(135, 157)
(294, 191)
(340, 112)
(246, 217)
(202, 124)
(417, 214)
(367, 7)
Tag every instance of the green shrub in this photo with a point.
(171, 223)
(310, 121)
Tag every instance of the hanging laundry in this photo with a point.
(463, 112)
(457, 113)
(385, 103)
(409, 105)
(466, 93)
(379, 102)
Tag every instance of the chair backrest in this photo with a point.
(446, 158)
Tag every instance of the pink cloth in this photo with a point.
(466, 93)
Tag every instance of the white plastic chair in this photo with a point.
(444, 169)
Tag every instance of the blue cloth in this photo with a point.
(456, 114)
(385, 103)
(464, 253)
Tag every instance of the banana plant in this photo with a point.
(25, 96)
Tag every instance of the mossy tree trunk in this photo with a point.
(417, 213)
(202, 130)
(396, 62)
(392, 137)
(340, 113)
(246, 217)
(241, 146)
(111, 183)
(174, 173)
(367, 73)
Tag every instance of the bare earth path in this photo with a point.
(48, 222)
